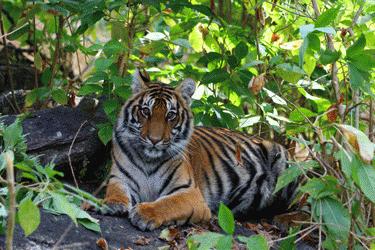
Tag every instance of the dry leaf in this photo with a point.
(359, 141)
(102, 244)
(169, 234)
(256, 84)
(142, 241)
(238, 154)
(332, 113)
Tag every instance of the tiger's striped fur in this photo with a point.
(166, 171)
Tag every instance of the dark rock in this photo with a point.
(59, 232)
(50, 133)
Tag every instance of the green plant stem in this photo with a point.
(56, 53)
(10, 75)
(12, 200)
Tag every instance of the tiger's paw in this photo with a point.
(144, 217)
(114, 209)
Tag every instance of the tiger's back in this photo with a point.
(239, 170)
(166, 171)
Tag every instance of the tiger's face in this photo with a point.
(157, 120)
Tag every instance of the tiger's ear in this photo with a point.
(187, 88)
(139, 81)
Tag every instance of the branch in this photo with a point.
(12, 200)
(57, 50)
(335, 79)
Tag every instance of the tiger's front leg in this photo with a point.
(116, 198)
(186, 206)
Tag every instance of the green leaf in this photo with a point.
(182, 42)
(90, 225)
(215, 76)
(365, 179)
(335, 216)
(328, 56)
(255, 242)
(13, 137)
(358, 78)
(2, 162)
(275, 98)
(288, 243)
(103, 63)
(323, 187)
(292, 173)
(28, 216)
(241, 50)
(225, 242)
(289, 72)
(205, 240)
(113, 47)
(155, 36)
(300, 114)
(357, 48)
(327, 17)
(226, 219)
(90, 89)
(105, 132)
(250, 121)
(302, 50)
(38, 61)
(111, 106)
(63, 206)
(59, 96)
(196, 39)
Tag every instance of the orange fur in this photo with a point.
(114, 195)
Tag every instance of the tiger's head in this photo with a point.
(157, 119)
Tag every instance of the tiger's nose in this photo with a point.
(154, 140)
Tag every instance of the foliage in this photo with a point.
(210, 240)
(37, 186)
(300, 72)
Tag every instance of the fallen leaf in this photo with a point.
(169, 234)
(142, 241)
(102, 244)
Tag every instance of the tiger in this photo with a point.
(166, 171)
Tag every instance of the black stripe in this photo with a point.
(264, 151)
(258, 195)
(168, 179)
(219, 182)
(128, 152)
(189, 217)
(208, 186)
(229, 168)
(126, 173)
(180, 187)
(157, 168)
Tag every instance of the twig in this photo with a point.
(9, 157)
(356, 17)
(13, 31)
(35, 51)
(335, 79)
(10, 75)
(63, 235)
(70, 151)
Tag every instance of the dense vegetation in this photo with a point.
(298, 72)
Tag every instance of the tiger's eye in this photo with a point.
(145, 111)
(171, 115)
